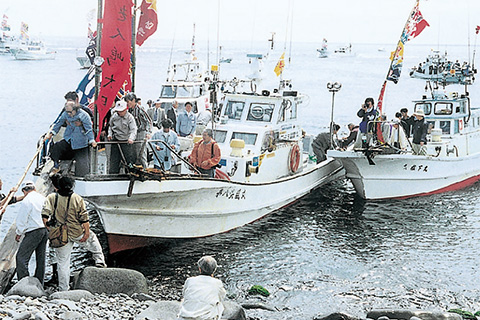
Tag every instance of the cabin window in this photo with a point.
(461, 107)
(249, 138)
(184, 92)
(168, 92)
(234, 109)
(445, 126)
(443, 108)
(456, 127)
(197, 91)
(260, 112)
(220, 136)
(426, 107)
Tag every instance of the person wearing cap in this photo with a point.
(30, 225)
(144, 128)
(203, 295)
(351, 137)
(69, 209)
(163, 158)
(76, 138)
(172, 114)
(157, 114)
(3, 197)
(122, 127)
(420, 130)
(323, 142)
(186, 121)
(407, 122)
(203, 118)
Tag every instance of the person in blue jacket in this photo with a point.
(76, 139)
(164, 156)
(186, 121)
(368, 113)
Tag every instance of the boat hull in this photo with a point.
(194, 207)
(20, 54)
(404, 176)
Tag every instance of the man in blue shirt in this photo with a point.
(186, 121)
(76, 139)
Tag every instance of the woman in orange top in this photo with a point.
(206, 154)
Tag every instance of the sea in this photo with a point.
(329, 252)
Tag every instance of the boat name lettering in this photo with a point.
(414, 167)
(232, 193)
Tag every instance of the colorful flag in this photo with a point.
(477, 29)
(280, 65)
(147, 24)
(417, 24)
(116, 51)
(86, 87)
(379, 108)
(24, 31)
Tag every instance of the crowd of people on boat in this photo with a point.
(436, 66)
(395, 133)
(134, 128)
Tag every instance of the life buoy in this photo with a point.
(460, 124)
(294, 159)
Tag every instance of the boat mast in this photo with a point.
(98, 72)
(134, 39)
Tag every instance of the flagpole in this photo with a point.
(134, 39)
(98, 71)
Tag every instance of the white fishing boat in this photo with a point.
(32, 50)
(323, 51)
(452, 160)
(345, 51)
(266, 165)
(6, 39)
(437, 67)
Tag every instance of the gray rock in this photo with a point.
(407, 314)
(142, 297)
(27, 287)
(74, 295)
(257, 305)
(14, 297)
(162, 310)
(41, 316)
(335, 316)
(111, 280)
(233, 311)
(22, 316)
(71, 306)
(72, 315)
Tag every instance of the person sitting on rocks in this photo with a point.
(203, 295)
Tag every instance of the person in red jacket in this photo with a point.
(206, 154)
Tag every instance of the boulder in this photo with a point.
(335, 316)
(28, 287)
(111, 281)
(74, 295)
(233, 311)
(407, 314)
(161, 310)
(142, 297)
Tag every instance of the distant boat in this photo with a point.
(225, 60)
(323, 51)
(84, 61)
(32, 50)
(381, 49)
(6, 39)
(345, 51)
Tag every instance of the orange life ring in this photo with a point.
(294, 158)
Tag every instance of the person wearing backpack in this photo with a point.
(68, 208)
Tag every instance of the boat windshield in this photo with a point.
(168, 91)
(443, 108)
(445, 126)
(260, 112)
(220, 136)
(188, 91)
(249, 138)
(234, 109)
(426, 107)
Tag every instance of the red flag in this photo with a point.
(379, 108)
(477, 29)
(148, 21)
(418, 24)
(116, 50)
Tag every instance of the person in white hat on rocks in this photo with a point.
(420, 130)
(122, 127)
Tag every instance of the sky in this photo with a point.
(340, 21)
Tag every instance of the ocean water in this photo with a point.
(330, 251)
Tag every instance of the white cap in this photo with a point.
(120, 106)
(28, 184)
(419, 112)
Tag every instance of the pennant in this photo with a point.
(477, 29)
(86, 88)
(379, 108)
(116, 51)
(418, 24)
(147, 24)
(397, 64)
(91, 50)
(280, 65)
(24, 31)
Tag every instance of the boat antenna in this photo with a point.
(218, 36)
(291, 34)
(171, 46)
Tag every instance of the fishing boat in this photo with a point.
(6, 39)
(380, 170)
(437, 67)
(266, 164)
(32, 50)
(344, 51)
(323, 51)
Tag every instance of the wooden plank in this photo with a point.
(8, 251)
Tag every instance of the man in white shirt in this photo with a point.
(203, 295)
(29, 223)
